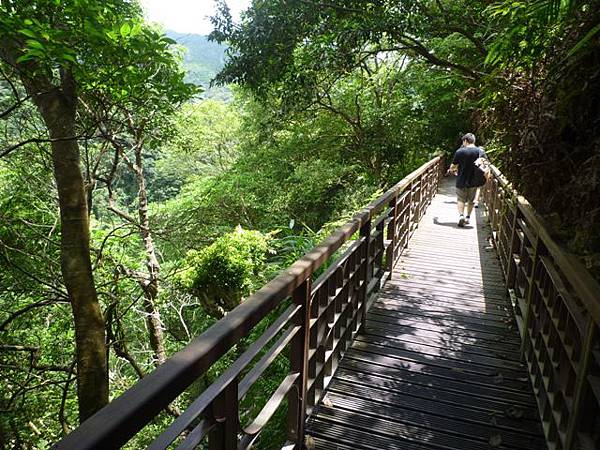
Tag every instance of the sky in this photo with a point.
(188, 16)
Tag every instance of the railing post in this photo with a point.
(529, 292)
(365, 232)
(580, 382)
(432, 176)
(510, 272)
(424, 192)
(494, 205)
(420, 203)
(225, 414)
(299, 363)
(379, 245)
(410, 209)
(392, 230)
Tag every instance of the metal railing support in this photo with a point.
(299, 364)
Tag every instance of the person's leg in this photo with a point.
(476, 199)
(470, 206)
(470, 199)
(460, 203)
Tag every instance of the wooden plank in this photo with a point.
(397, 431)
(436, 423)
(437, 363)
(501, 309)
(452, 332)
(356, 439)
(444, 320)
(462, 289)
(480, 300)
(457, 276)
(426, 307)
(444, 352)
(495, 392)
(504, 349)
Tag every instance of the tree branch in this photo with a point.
(18, 103)
(61, 411)
(424, 52)
(33, 277)
(327, 5)
(13, 88)
(13, 147)
(478, 43)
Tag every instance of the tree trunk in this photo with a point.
(148, 280)
(150, 286)
(57, 107)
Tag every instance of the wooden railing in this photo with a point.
(557, 306)
(318, 325)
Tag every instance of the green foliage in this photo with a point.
(539, 99)
(529, 28)
(289, 46)
(227, 270)
(67, 32)
(35, 316)
(107, 61)
(205, 143)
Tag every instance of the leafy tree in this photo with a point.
(38, 49)
(288, 44)
(65, 54)
(36, 336)
(130, 124)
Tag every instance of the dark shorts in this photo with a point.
(466, 195)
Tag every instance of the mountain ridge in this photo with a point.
(202, 61)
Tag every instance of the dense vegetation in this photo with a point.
(133, 214)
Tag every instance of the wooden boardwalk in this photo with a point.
(438, 365)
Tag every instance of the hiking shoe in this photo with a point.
(461, 221)
(467, 220)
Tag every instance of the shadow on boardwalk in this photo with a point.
(438, 364)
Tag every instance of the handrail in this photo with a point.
(557, 306)
(586, 287)
(318, 326)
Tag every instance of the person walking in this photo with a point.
(469, 176)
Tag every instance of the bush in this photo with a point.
(226, 271)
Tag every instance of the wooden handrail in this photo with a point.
(320, 326)
(557, 306)
(587, 288)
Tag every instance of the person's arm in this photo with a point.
(454, 166)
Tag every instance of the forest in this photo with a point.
(136, 210)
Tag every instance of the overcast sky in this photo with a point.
(188, 16)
